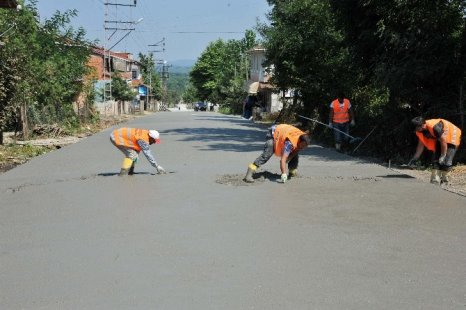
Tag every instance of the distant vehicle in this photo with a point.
(200, 106)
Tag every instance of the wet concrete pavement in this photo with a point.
(346, 234)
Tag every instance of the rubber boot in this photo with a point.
(444, 177)
(251, 169)
(338, 147)
(125, 167)
(124, 172)
(131, 170)
(435, 177)
(293, 173)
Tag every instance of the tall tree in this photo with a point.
(218, 74)
(306, 49)
(150, 75)
(42, 68)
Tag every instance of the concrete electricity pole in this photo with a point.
(160, 43)
(114, 26)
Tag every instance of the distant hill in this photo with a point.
(183, 63)
(180, 70)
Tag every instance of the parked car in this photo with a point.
(200, 106)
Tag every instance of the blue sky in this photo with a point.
(187, 25)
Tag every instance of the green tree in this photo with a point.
(410, 53)
(393, 59)
(307, 51)
(217, 76)
(121, 92)
(42, 68)
(150, 75)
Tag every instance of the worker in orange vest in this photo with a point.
(285, 141)
(440, 137)
(131, 141)
(341, 117)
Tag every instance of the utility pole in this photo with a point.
(164, 75)
(112, 27)
(159, 43)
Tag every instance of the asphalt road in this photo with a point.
(347, 234)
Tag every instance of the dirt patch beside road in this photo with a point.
(457, 178)
(15, 152)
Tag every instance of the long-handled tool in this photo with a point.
(356, 148)
(353, 139)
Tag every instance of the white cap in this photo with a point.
(154, 134)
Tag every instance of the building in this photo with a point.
(106, 64)
(259, 81)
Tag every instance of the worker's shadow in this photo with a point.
(396, 176)
(266, 175)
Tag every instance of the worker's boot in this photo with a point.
(131, 170)
(293, 173)
(251, 169)
(444, 177)
(125, 167)
(435, 177)
(338, 147)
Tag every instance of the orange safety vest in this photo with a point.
(128, 137)
(340, 114)
(281, 134)
(453, 134)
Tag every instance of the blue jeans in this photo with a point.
(339, 137)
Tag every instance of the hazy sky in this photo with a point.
(187, 25)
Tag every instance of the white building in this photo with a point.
(259, 81)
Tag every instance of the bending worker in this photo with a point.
(131, 141)
(440, 137)
(340, 117)
(285, 141)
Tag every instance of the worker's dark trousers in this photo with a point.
(268, 152)
(339, 137)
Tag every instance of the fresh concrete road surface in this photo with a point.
(346, 234)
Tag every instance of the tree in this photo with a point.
(150, 75)
(307, 51)
(121, 92)
(42, 68)
(217, 76)
(394, 59)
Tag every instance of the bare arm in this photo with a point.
(419, 149)
(443, 145)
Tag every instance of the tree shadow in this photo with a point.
(226, 139)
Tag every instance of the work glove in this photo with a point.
(330, 124)
(160, 170)
(353, 123)
(283, 178)
(441, 160)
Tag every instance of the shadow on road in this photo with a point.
(223, 138)
(396, 176)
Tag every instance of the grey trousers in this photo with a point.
(268, 152)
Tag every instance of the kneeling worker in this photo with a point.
(131, 141)
(285, 141)
(440, 137)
